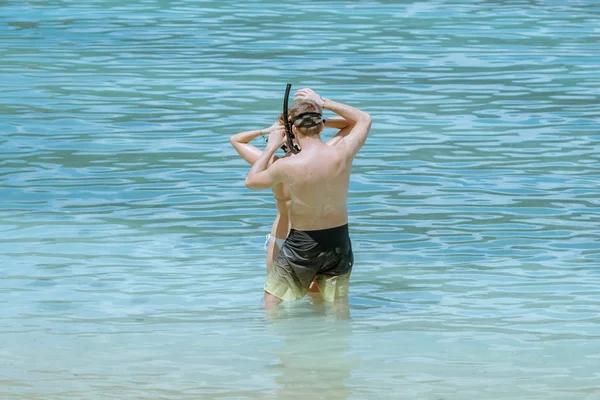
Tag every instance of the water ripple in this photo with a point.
(131, 253)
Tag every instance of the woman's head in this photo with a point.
(307, 117)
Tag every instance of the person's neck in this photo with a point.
(307, 142)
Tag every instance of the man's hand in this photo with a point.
(308, 94)
(276, 138)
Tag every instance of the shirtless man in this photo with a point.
(318, 246)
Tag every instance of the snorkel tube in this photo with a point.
(291, 146)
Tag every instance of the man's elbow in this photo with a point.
(251, 184)
(365, 119)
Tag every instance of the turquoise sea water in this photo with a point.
(131, 258)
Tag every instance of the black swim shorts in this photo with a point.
(324, 255)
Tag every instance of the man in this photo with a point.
(318, 246)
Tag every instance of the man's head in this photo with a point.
(307, 117)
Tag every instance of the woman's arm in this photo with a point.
(240, 143)
(336, 122)
(340, 123)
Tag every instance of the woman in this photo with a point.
(281, 224)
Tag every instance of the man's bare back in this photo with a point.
(318, 182)
(318, 246)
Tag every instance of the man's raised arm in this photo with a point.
(361, 120)
(261, 176)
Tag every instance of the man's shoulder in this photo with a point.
(285, 159)
(344, 149)
(284, 163)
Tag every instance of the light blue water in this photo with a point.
(131, 259)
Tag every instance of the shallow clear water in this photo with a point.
(131, 259)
